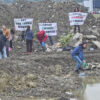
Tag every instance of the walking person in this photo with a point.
(76, 26)
(2, 45)
(78, 56)
(7, 35)
(42, 37)
(29, 40)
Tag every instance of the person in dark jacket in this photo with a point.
(42, 37)
(2, 45)
(76, 26)
(78, 56)
(6, 33)
(29, 40)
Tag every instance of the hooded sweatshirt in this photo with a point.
(41, 36)
(78, 51)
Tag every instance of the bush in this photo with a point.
(64, 40)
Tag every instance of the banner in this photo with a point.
(77, 18)
(49, 28)
(22, 23)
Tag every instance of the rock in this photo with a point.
(73, 99)
(58, 45)
(97, 43)
(98, 66)
(31, 84)
(69, 93)
(58, 69)
(31, 76)
(77, 39)
(59, 50)
(48, 50)
(77, 36)
(90, 37)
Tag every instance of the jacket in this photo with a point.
(6, 33)
(41, 36)
(78, 51)
(29, 35)
(2, 42)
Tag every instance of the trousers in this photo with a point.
(29, 44)
(3, 53)
(78, 60)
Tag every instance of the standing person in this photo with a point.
(29, 40)
(7, 35)
(76, 26)
(78, 56)
(12, 33)
(23, 36)
(42, 37)
(50, 37)
(2, 45)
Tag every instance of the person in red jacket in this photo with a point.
(42, 37)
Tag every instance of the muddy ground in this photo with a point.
(42, 75)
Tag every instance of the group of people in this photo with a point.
(77, 53)
(41, 36)
(6, 38)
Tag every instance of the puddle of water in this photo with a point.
(90, 89)
(92, 92)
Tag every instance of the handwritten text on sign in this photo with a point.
(22, 23)
(77, 18)
(49, 28)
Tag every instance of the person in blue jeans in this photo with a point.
(2, 45)
(78, 56)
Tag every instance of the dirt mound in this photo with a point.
(41, 11)
(5, 15)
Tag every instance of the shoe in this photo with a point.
(77, 71)
(81, 69)
(10, 49)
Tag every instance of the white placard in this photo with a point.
(22, 23)
(77, 18)
(49, 28)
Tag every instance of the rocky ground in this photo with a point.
(45, 75)
(50, 74)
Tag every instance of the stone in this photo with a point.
(31, 76)
(90, 36)
(31, 84)
(97, 43)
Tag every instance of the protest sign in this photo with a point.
(49, 28)
(77, 18)
(22, 23)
